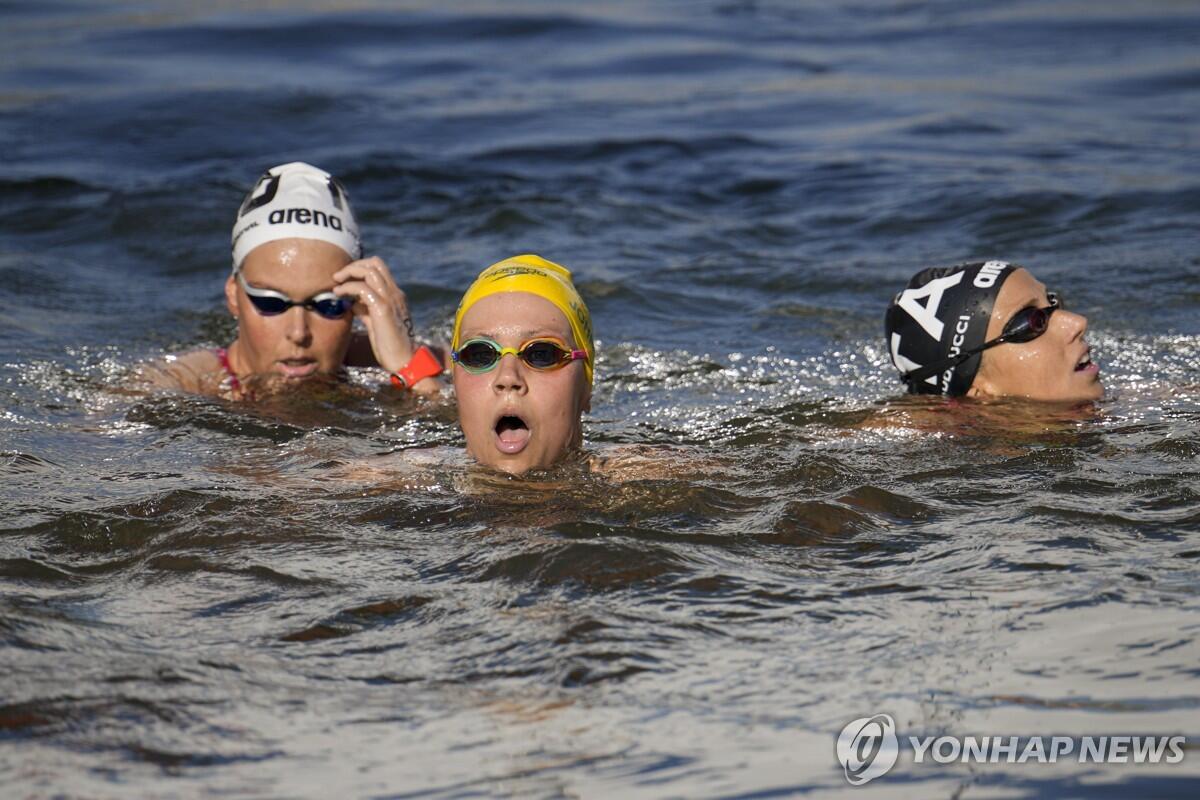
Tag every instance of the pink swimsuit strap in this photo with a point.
(231, 378)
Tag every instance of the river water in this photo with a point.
(318, 597)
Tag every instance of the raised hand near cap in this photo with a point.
(383, 308)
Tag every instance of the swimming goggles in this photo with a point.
(269, 303)
(1024, 326)
(481, 354)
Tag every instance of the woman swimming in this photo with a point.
(298, 282)
(523, 363)
(523, 360)
(989, 330)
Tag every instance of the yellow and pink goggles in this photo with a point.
(480, 354)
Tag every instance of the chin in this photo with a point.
(1094, 391)
(508, 466)
(1088, 396)
(512, 468)
(513, 465)
(522, 464)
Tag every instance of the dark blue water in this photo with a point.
(318, 596)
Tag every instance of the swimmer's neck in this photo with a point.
(237, 363)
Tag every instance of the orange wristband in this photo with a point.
(424, 365)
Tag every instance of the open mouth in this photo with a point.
(297, 367)
(1085, 362)
(512, 434)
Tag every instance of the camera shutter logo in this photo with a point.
(867, 748)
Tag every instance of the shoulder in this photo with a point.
(198, 371)
(633, 462)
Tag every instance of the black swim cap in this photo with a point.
(942, 312)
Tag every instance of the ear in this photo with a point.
(231, 296)
(981, 388)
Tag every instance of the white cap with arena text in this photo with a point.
(299, 201)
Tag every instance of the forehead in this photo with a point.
(515, 314)
(294, 264)
(1020, 288)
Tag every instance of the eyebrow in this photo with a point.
(1031, 300)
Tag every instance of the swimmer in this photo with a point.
(298, 283)
(523, 358)
(989, 330)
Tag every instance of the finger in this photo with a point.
(369, 306)
(377, 277)
(382, 284)
(358, 270)
(380, 279)
(355, 270)
(366, 300)
(350, 288)
(378, 267)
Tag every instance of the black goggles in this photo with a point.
(270, 303)
(1024, 326)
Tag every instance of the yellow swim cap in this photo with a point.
(536, 275)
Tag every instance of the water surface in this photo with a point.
(319, 596)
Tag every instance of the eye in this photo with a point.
(269, 305)
(477, 355)
(543, 354)
(332, 308)
(1027, 324)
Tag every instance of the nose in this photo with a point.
(509, 375)
(1073, 325)
(298, 330)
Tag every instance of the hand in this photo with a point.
(383, 308)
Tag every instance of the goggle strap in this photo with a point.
(944, 364)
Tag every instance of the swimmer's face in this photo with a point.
(299, 342)
(1052, 367)
(516, 418)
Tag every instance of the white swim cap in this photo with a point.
(298, 201)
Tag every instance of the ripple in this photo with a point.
(352, 620)
(593, 567)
